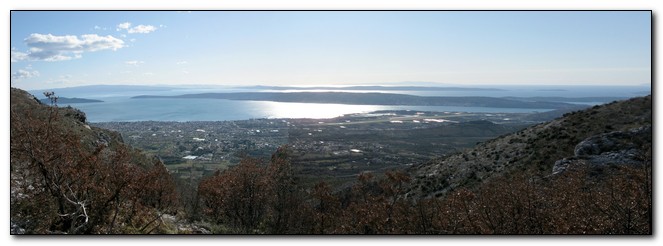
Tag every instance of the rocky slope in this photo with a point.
(27, 109)
(614, 133)
(69, 177)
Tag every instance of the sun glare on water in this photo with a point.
(314, 110)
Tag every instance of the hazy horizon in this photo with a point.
(57, 49)
(341, 86)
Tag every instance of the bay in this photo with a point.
(120, 109)
(118, 106)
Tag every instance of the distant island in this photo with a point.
(370, 87)
(70, 100)
(567, 99)
(373, 99)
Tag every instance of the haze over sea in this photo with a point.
(119, 106)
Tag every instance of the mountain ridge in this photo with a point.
(372, 87)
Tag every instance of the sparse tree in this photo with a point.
(63, 184)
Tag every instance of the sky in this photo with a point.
(53, 49)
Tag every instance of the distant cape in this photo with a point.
(70, 100)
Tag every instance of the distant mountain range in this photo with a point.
(369, 88)
(92, 90)
(374, 99)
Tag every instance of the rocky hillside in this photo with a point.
(69, 177)
(26, 107)
(615, 133)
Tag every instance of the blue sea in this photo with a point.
(119, 106)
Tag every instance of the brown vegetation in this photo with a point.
(579, 201)
(62, 183)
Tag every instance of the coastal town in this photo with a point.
(339, 147)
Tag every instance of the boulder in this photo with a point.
(613, 148)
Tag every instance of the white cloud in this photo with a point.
(181, 62)
(24, 74)
(134, 63)
(148, 73)
(48, 47)
(136, 29)
(18, 56)
(142, 29)
(124, 25)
